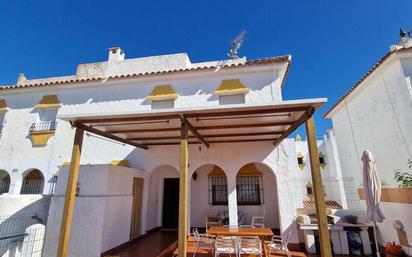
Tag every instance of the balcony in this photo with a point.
(41, 132)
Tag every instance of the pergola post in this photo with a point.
(70, 197)
(183, 188)
(325, 247)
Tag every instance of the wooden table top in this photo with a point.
(228, 231)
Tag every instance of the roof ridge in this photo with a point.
(73, 79)
(364, 77)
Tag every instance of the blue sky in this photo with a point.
(332, 42)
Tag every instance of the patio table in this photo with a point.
(228, 231)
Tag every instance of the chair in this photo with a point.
(212, 219)
(259, 221)
(202, 240)
(226, 245)
(278, 244)
(246, 226)
(250, 245)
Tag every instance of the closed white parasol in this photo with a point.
(372, 188)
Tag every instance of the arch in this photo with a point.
(4, 182)
(33, 182)
(208, 193)
(257, 193)
(155, 194)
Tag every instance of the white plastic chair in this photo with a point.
(202, 240)
(250, 245)
(246, 226)
(212, 219)
(278, 244)
(259, 221)
(226, 245)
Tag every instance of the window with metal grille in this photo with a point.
(43, 126)
(217, 190)
(249, 190)
(33, 183)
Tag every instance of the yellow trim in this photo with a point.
(249, 170)
(48, 101)
(231, 87)
(217, 172)
(163, 92)
(3, 106)
(298, 137)
(41, 138)
(123, 163)
(66, 164)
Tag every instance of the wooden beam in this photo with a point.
(292, 128)
(217, 141)
(248, 112)
(108, 135)
(183, 190)
(194, 131)
(129, 119)
(208, 136)
(65, 228)
(324, 238)
(228, 126)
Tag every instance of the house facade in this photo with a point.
(376, 115)
(123, 191)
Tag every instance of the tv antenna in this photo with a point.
(236, 44)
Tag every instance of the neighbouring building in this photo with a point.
(123, 191)
(376, 115)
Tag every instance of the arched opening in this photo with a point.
(257, 194)
(33, 183)
(163, 198)
(208, 196)
(4, 182)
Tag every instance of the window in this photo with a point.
(32, 183)
(300, 160)
(249, 190)
(4, 182)
(321, 160)
(218, 190)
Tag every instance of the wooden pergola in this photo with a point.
(207, 126)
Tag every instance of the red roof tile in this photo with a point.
(70, 80)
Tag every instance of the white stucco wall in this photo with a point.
(377, 116)
(102, 214)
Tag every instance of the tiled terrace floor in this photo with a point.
(164, 244)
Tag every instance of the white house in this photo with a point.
(376, 115)
(124, 191)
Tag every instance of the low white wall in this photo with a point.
(24, 205)
(102, 213)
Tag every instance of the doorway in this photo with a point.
(136, 223)
(170, 218)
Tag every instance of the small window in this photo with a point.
(218, 190)
(322, 160)
(249, 190)
(300, 160)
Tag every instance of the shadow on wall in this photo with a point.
(14, 228)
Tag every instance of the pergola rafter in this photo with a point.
(208, 126)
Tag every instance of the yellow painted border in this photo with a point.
(48, 101)
(231, 87)
(162, 92)
(123, 163)
(42, 137)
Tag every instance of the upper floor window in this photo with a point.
(231, 91)
(162, 96)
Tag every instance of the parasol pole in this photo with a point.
(378, 254)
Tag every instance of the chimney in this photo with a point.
(116, 54)
(21, 79)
